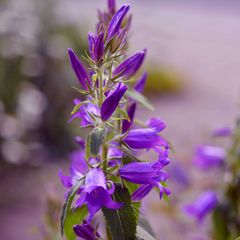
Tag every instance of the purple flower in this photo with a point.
(149, 174)
(116, 21)
(144, 138)
(86, 231)
(131, 112)
(203, 205)
(111, 6)
(79, 70)
(131, 65)
(209, 156)
(77, 170)
(111, 102)
(96, 46)
(157, 124)
(96, 193)
(140, 84)
(84, 113)
(222, 132)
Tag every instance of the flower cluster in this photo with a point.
(108, 156)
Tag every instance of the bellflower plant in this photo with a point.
(106, 174)
(224, 200)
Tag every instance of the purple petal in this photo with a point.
(140, 84)
(111, 6)
(85, 232)
(91, 44)
(203, 205)
(79, 70)
(141, 192)
(222, 132)
(95, 178)
(131, 65)
(111, 102)
(99, 47)
(157, 124)
(209, 156)
(131, 112)
(116, 21)
(80, 141)
(66, 180)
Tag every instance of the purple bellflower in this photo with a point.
(96, 46)
(116, 21)
(148, 174)
(96, 193)
(222, 132)
(209, 156)
(79, 70)
(111, 102)
(86, 231)
(83, 113)
(131, 65)
(140, 84)
(144, 138)
(202, 206)
(77, 170)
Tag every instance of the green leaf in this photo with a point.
(238, 238)
(144, 230)
(66, 210)
(94, 141)
(121, 222)
(140, 98)
(74, 217)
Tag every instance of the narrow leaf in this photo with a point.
(66, 210)
(140, 98)
(121, 222)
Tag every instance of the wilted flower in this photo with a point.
(96, 193)
(209, 156)
(111, 102)
(116, 21)
(203, 205)
(86, 231)
(140, 84)
(131, 65)
(79, 70)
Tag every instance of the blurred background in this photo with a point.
(193, 63)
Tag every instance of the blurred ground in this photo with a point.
(199, 40)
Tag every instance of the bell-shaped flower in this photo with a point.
(111, 102)
(116, 21)
(77, 170)
(209, 156)
(222, 132)
(84, 113)
(140, 84)
(144, 138)
(126, 124)
(130, 66)
(205, 204)
(96, 46)
(150, 175)
(96, 193)
(79, 70)
(86, 231)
